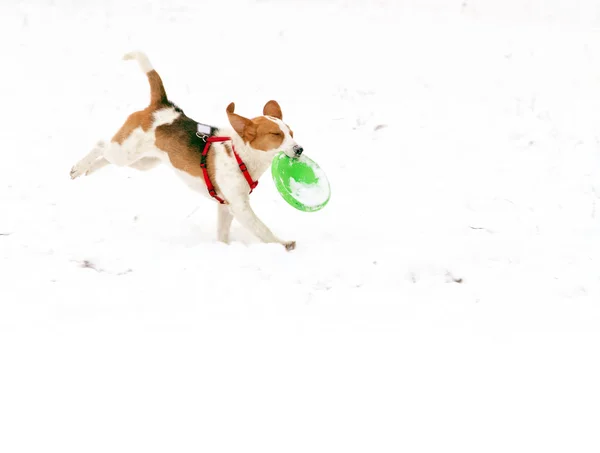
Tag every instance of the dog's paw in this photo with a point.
(289, 246)
(77, 171)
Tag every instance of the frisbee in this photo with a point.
(301, 182)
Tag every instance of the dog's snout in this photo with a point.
(298, 150)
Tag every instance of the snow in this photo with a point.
(446, 299)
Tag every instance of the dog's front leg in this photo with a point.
(246, 216)
(224, 218)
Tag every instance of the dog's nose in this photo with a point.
(297, 150)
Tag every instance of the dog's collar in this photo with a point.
(206, 133)
(203, 131)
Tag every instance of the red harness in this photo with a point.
(242, 165)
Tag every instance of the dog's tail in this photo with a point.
(158, 94)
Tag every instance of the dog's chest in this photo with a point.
(224, 171)
(226, 176)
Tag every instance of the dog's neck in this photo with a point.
(257, 161)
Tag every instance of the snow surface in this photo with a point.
(446, 299)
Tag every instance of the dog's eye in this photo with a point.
(276, 133)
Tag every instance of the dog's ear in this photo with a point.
(243, 126)
(272, 108)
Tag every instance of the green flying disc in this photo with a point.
(301, 182)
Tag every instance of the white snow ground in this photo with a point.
(461, 139)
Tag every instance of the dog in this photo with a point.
(222, 163)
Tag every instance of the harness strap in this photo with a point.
(245, 171)
(209, 185)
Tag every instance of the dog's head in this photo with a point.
(267, 132)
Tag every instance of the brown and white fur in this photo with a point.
(163, 133)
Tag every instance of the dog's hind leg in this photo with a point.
(144, 164)
(85, 164)
(97, 165)
(128, 151)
